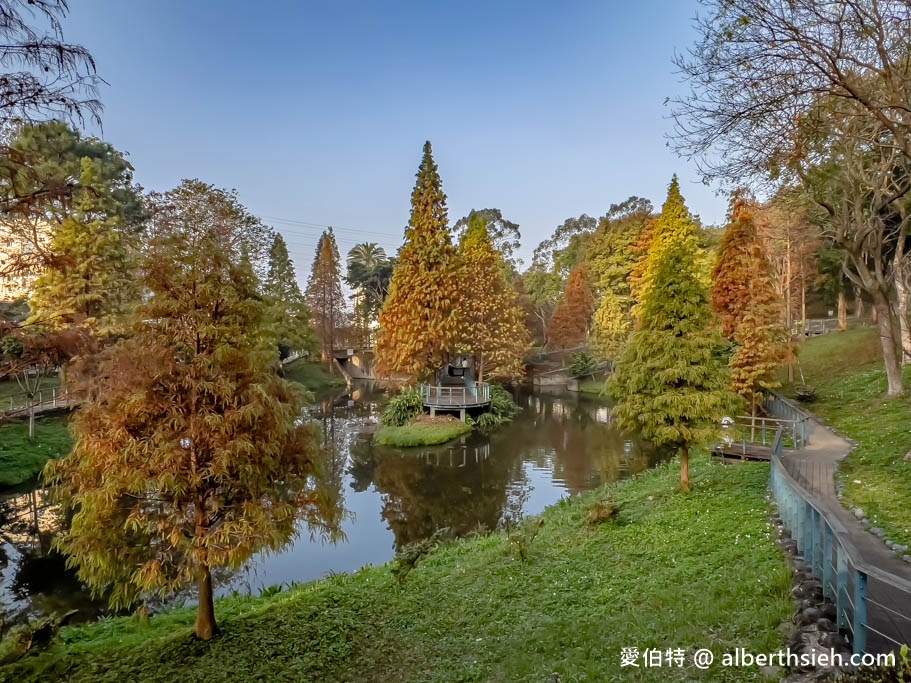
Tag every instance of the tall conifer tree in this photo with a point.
(744, 297)
(286, 308)
(670, 383)
(419, 320)
(492, 323)
(572, 320)
(188, 456)
(324, 294)
(89, 281)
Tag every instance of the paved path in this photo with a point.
(814, 468)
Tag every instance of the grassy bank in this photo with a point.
(424, 432)
(593, 386)
(21, 459)
(846, 370)
(673, 570)
(314, 376)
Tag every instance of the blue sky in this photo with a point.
(316, 112)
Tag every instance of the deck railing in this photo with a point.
(438, 395)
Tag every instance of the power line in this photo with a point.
(291, 222)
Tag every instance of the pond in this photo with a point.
(557, 446)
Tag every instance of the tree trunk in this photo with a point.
(31, 419)
(858, 303)
(882, 309)
(842, 311)
(685, 468)
(874, 314)
(205, 616)
(803, 308)
(904, 329)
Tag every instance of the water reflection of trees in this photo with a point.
(573, 437)
(481, 479)
(34, 580)
(462, 486)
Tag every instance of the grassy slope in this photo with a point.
(20, 459)
(313, 376)
(675, 571)
(421, 434)
(846, 370)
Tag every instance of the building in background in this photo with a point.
(24, 245)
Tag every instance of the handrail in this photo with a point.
(826, 543)
(436, 395)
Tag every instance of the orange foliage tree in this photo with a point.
(492, 322)
(745, 299)
(419, 319)
(572, 320)
(188, 455)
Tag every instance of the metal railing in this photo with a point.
(478, 394)
(54, 397)
(795, 421)
(865, 596)
(815, 326)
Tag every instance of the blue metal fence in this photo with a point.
(796, 421)
(865, 596)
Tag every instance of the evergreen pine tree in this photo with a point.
(670, 383)
(90, 279)
(419, 320)
(492, 323)
(287, 310)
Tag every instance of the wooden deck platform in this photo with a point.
(740, 451)
(452, 398)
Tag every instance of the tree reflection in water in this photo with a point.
(557, 446)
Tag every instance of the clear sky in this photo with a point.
(316, 111)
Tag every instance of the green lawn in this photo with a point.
(20, 459)
(313, 376)
(846, 370)
(593, 386)
(421, 434)
(673, 571)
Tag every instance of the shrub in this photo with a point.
(582, 365)
(403, 408)
(502, 409)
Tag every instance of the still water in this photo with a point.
(557, 446)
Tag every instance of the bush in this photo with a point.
(502, 409)
(403, 408)
(582, 365)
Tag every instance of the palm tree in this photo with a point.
(369, 273)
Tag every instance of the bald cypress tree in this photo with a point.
(670, 382)
(324, 294)
(743, 296)
(419, 319)
(572, 320)
(493, 330)
(188, 454)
